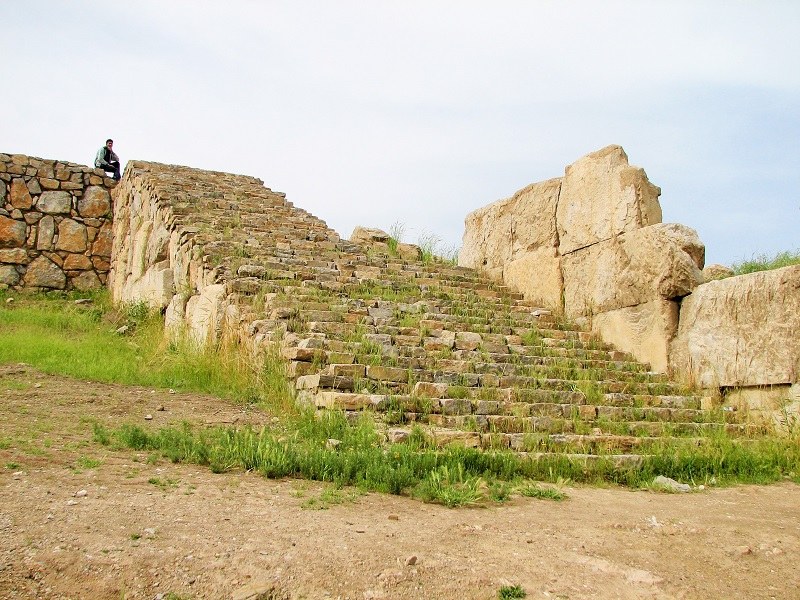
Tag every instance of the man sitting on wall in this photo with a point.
(107, 160)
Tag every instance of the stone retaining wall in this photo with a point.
(55, 224)
(182, 238)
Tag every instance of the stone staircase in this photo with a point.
(413, 342)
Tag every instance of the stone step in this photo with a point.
(619, 449)
(362, 329)
(517, 417)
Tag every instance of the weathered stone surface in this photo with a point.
(409, 251)
(43, 272)
(55, 203)
(33, 186)
(100, 263)
(741, 331)
(12, 233)
(644, 330)
(46, 232)
(71, 236)
(102, 243)
(17, 256)
(714, 272)
(20, 196)
(2, 192)
(603, 196)
(8, 275)
(205, 314)
(381, 373)
(646, 264)
(507, 230)
(426, 389)
(774, 405)
(77, 262)
(95, 202)
(156, 286)
(365, 235)
(175, 315)
(467, 340)
(48, 183)
(537, 274)
(45, 171)
(86, 281)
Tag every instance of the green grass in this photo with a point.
(454, 476)
(84, 462)
(54, 335)
(762, 262)
(433, 250)
(396, 232)
(537, 491)
(511, 592)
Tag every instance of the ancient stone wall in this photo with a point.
(55, 224)
(182, 239)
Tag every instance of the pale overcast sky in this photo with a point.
(418, 112)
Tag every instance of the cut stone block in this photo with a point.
(602, 196)
(645, 331)
(721, 345)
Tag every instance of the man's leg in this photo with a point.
(115, 167)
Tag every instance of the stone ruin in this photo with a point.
(591, 244)
(481, 356)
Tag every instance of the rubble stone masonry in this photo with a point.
(55, 224)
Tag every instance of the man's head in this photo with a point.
(109, 143)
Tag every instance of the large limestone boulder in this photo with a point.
(741, 331)
(716, 271)
(662, 261)
(603, 196)
(516, 240)
(777, 406)
(644, 330)
(378, 240)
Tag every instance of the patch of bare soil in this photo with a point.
(78, 520)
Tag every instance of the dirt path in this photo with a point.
(80, 521)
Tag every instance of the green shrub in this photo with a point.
(511, 592)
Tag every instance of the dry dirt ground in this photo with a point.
(78, 520)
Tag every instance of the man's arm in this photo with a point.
(99, 160)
